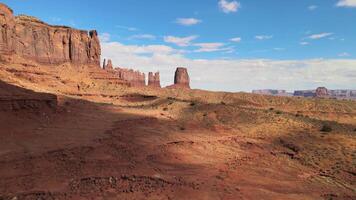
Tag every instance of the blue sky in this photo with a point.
(233, 32)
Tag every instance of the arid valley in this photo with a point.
(72, 128)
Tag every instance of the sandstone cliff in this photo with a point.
(108, 66)
(30, 38)
(134, 78)
(154, 80)
(181, 79)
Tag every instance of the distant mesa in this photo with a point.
(154, 80)
(272, 92)
(320, 92)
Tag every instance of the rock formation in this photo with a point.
(321, 92)
(108, 66)
(30, 38)
(154, 80)
(181, 79)
(134, 78)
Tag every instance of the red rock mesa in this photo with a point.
(33, 39)
(154, 80)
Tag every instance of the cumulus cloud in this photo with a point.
(188, 21)
(143, 36)
(263, 37)
(346, 3)
(180, 41)
(229, 6)
(236, 39)
(319, 36)
(234, 75)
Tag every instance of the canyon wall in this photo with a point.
(30, 38)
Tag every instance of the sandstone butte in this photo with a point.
(31, 39)
(154, 80)
(181, 79)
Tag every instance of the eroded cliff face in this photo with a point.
(134, 78)
(30, 38)
(154, 80)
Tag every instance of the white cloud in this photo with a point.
(234, 75)
(304, 43)
(210, 47)
(319, 36)
(236, 39)
(104, 37)
(279, 49)
(229, 6)
(180, 41)
(263, 37)
(346, 3)
(188, 21)
(312, 7)
(127, 28)
(344, 54)
(143, 36)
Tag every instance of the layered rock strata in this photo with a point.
(134, 78)
(30, 38)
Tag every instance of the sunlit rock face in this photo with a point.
(134, 78)
(181, 78)
(154, 80)
(30, 38)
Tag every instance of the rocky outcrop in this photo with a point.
(108, 66)
(134, 78)
(321, 92)
(181, 79)
(154, 80)
(30, 38)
